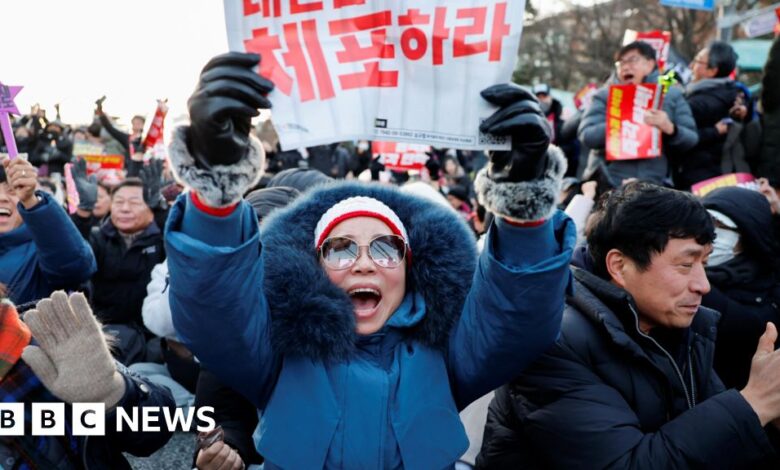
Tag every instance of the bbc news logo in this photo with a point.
(89, 419)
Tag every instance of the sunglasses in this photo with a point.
(386, 251)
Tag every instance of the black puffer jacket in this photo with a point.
(607, 396)
(745, 290)
(119, 286)
(710, 101)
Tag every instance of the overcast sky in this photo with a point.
(132, 51)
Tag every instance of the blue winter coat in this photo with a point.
(267, 320)
(44, 254)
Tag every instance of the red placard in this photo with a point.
(628, 137)
(401, 156)
(660, 40)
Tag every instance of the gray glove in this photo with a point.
(72, 358)
(151, 175)
(86, 186)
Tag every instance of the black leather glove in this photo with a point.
(86, 186)
(151, 175)
(520, 117)
(228, 95)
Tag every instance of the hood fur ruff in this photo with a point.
(222, 185)
(314, 318)
(526, 200)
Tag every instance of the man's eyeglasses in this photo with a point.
(628, 61)
(386, 251)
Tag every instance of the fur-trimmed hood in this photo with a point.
(314, 318)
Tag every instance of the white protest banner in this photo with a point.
(407, 70)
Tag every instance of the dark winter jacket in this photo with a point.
(234, 413)
(769, 161)
(710, 101)
(608, 396)
(50, 155)
(119, 285)
(44, 254)
(328, 397)
(593, 134)
(105, 452)
(745, 290)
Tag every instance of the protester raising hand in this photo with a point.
(86, 186)
(72, 358)
(151, 174)
(23, 179)
(763, 389)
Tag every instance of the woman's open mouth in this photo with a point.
(365, 301)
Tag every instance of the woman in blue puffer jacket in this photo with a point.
(360, 320)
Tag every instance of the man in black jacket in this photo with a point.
(711, 94)
(629, 383)
(127, 246)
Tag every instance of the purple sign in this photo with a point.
(7, 106)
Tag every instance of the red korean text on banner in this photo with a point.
(628, 137)
(400, 156)
(296, 56)
(660, 40)
(742, 180)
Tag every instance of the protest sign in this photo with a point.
(71, 193)
(628, 137)
(8, 107)
(154, 143)
(743, 180)
(584, 97)
(400, 156)
(690, 4)
(85, 147)
(370, 69)
(660, 40)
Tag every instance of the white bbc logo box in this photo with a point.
(48, 419)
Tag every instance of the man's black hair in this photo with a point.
(722, 57)
(640, 218)
(129, 182)
(644, 49)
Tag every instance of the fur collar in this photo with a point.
(313, 318)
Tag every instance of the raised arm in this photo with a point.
(514, 308)
(212, 239)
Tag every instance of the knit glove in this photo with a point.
(86, 186)
(216, 155)
(72, 358)
(521, 184)
(151, 175)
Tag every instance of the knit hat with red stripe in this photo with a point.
(359, 206)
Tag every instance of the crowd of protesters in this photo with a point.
(591, 312)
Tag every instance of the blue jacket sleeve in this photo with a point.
(216, 295)
(64, 257)
(513, 311)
